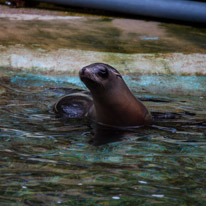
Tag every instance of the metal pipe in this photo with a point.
(182, 10)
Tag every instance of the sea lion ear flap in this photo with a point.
(112, 69)
(119, 75)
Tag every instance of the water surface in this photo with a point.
(47, 161)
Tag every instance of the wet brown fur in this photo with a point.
(114, 104)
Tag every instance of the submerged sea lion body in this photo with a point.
(113, 103)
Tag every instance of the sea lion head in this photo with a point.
(99, 77)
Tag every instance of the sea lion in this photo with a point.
(112, 102)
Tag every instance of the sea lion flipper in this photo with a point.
(74, 105)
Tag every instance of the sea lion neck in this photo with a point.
(112, 93)
(118, 106)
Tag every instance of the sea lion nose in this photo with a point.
(82, 71)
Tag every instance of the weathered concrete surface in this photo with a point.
(70, 61)
(63, 44)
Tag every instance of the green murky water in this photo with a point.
(45, 161)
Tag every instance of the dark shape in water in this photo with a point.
(104, 135)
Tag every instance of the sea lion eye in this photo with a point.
(103, 73)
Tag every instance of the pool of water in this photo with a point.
(48, 161)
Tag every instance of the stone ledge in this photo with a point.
(70, 61)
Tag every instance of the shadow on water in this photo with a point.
(50, 161)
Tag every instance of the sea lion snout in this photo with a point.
(99, 70)
(82, 70)
(84, 73)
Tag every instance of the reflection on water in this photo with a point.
(47, 161)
